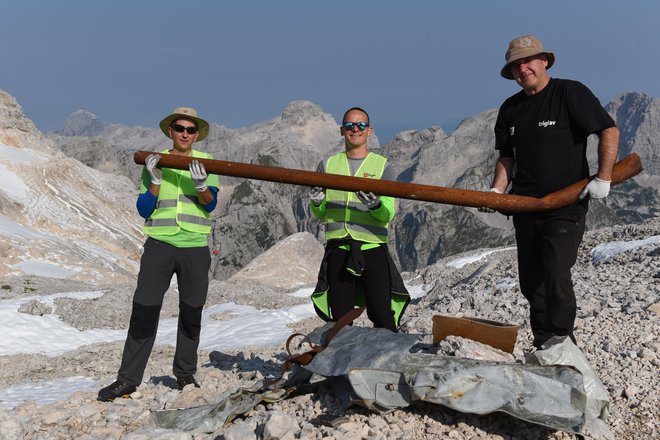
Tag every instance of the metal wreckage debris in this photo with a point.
(375, 368)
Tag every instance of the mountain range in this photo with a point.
(74, 190)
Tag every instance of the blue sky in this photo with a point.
(411, 64)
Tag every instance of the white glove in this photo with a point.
(198, 175)
(596, 189)
(371, 200)
(317, 194)
(486, 208)
(156, 174)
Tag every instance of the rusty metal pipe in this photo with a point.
(624, 169)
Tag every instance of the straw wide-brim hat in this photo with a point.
(185, 113)
(523, 47)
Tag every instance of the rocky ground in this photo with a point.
(617, 329)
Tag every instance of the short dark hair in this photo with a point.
(355, 108)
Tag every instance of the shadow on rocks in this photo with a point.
(498, 423)
(238, 363)
(167, 381)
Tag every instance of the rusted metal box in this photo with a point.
(496, 334)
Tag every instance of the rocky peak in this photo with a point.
(415, 138)
(12, 116)
(59, 215)
(298, 113)
(82, 123)
(638, 117)
(17, 131)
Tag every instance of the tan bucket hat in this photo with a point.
(523, 47)
(185, 113)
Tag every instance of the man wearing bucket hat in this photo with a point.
(177, 207)
(541, 134)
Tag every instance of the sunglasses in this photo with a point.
(360, 125)
(181, 128)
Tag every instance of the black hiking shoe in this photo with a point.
(186, 380)
(114, 390)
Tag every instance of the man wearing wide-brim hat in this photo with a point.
(176, 206)
(541, 135)
(525, 47)
(189, 114)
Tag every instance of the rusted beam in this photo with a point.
(624, 169)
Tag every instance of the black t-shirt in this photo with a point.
(546, 135)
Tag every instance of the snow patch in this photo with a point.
(606, 251)
(460, 262)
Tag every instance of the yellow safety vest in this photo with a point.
(178, 206)
(345, 214)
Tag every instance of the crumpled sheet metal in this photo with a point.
(381, 391)
(208, 418)
(384, 375)
(362, 347)
(351, 346)
(560, 350)
(551, 396)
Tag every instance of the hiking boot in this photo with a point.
(114, 390)
(186, 380)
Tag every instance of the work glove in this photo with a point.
(371, 200)
(486, 208)
(596, 189)
(198, 175)
(317, 194)
(156, 174)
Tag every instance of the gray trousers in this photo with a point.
(160, 261)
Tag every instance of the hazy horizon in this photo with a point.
(411, 65)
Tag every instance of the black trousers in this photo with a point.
(547, 250)
(374, 282)
(160, 261)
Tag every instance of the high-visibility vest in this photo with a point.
(345, 214)
(178, 206)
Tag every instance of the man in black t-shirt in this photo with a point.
(541, 133)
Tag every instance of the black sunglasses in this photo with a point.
(360, 125)
(181, 128)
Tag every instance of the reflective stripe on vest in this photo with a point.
(178, 206)
(345, 214)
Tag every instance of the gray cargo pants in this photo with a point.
(160, 261)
